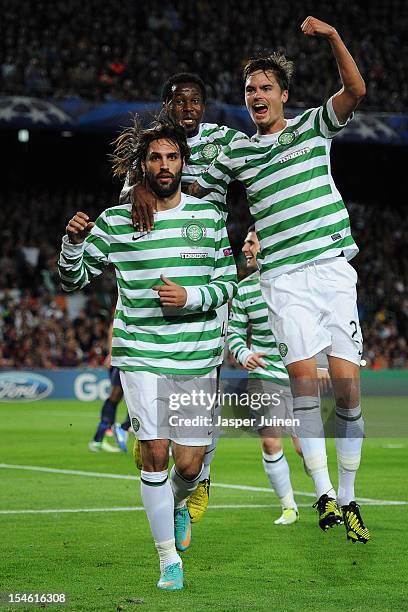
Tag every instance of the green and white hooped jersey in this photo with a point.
(189, 244)
(205, 148)
(299, 213)
(249, 311)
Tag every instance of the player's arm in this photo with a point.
(237, 336)
(83, 255)
(213, 183)
(354, 89)
(217, 292)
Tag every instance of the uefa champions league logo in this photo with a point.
(31, 111)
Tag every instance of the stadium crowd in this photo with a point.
(40, 326)
(103, 51)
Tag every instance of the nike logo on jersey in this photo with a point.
(140, 236)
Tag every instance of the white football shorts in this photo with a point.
(314, 309)
(176, 408)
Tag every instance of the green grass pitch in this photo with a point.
(238, 560)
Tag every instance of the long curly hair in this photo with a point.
(130, 147)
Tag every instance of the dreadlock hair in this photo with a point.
(182, 77)
(282, 68)
(132, 144)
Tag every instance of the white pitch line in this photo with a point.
(220, 485)
(73, 510)
(392, 446)
(137, 509)
(37, 468)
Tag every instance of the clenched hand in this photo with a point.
(314, 27)
(171, 294)
(79, 227)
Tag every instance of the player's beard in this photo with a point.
(163, 191)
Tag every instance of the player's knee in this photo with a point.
(155, 455)
(316, 463)
(346, 392)
(270, 446)
(303, 376)
(348, 399)
(350, 463)
(191, 471)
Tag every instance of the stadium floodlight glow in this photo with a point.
(23, 135)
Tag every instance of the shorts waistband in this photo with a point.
(317, 263)
(321, 262)
(308, 264)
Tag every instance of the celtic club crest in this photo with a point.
(210, 151)
(194, 232)
(286, 138)
(283, 349)
(135, 424)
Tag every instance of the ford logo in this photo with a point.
(24, 386)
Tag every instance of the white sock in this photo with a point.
(312, 443)
(205, 474)
(158, 502)
(349, 440)
(208, 457)
(277, 470)
(182, 488)
(167, 553)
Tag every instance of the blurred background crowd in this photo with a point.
(65, 48)
(42, 327)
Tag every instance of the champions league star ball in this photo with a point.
(31, 113)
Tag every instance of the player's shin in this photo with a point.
(182, 487)
(208, 457)
(158, 502)
(312, 441)
(277, 470)
(197, 502)
(349, 441)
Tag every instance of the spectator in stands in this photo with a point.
(61, 49)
